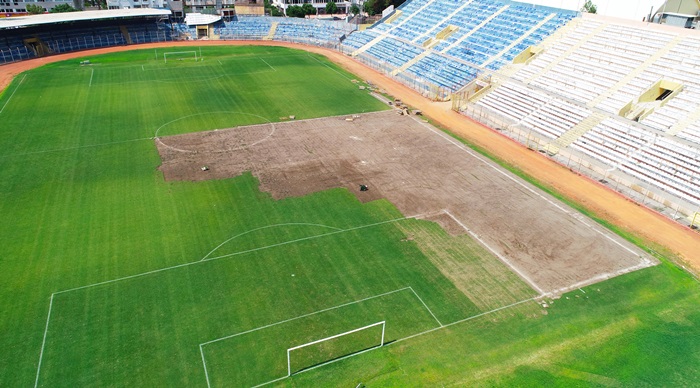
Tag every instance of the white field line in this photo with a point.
(273, 69)
(43, 343)
(574, 214)
(204, 364)
(326, 65)
(601, 277)
(229, 255)
(77, 147)
(142, 68)
(220, 62)
(214, 112)
(426, 306)
(266, 227)
(319, 365)
(463, 320)
(503, 259)
(303, 316)
(299, 240)
(13, 93)
(92, 72)
(400, 339)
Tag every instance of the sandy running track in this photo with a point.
(600, 200)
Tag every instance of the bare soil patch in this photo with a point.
(423, 173)
(600, 200)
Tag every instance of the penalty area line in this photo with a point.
(13, 93)
(464, 320)
(43, 342)
(400, 339)
(228, 255)
(263, 59)
(500, 257)
(304, 316)
(500, 170)
(426, 306)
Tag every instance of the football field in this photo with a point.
(112, 276)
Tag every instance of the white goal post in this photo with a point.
(181, 54)
(289, 351)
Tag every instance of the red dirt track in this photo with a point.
(602, 201)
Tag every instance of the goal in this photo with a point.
(352, 343)
(179, 56)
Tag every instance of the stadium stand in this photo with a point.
(637, 86)
(29, 37)
(444, 44)
(624, 95)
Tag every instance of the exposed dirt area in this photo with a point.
(600, 200)
(423, 173)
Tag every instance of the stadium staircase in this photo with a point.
(125, 33)
(391, 18)
(574, 133)
(554, 38)
(692, 117)
(368, 45)
(273, 29)
(568, 52)
(475, 29)
(637, 71)
(411, 62)
(442, 22)
(517, 41)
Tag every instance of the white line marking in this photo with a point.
(220, 62)
(271, 381)
(501, 257)
(92, 72)
(326, 65)
(204, 363)
(267, 227)
(426, 306)
(574, 214)
(303, 316)
(268, 122)
(462, 320)
(77, 147)
(142, 68)
(401, 339)
(13, 93)
(225, 256)
(262, 59)
(43, 343)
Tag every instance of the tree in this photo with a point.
(354, 9)
(34, 9)
(295, 11)
(589, 7)
(62, 8)
(369, 7)
(275, 11)
(100, 4)
(331, 8)
(308, 9)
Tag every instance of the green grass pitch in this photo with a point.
(93, 235)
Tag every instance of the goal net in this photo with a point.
(180, 56)
(335, 347)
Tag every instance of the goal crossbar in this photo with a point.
(165, 55)
(289, 362)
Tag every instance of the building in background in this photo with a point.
(134, 4)
(11, 7)
(679, 13)
(320, 5)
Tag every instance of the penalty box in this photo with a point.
(279, 350)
